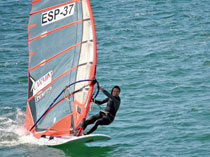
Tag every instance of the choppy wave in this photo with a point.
(12, 131)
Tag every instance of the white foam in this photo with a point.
(5, 120)
(5, 108)
(27, 139)
(13, 132)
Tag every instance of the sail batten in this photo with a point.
(56, 29)
(53, 7)
(56, 55)
(62, 63)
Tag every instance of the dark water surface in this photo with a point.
(156, 51)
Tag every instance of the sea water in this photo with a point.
(157, 51)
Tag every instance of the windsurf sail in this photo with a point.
(61, 66)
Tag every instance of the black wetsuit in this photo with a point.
(106, 116)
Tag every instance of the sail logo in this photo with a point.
(42, 82)
(40, 96)
(57, 14)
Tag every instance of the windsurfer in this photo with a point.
(106, 116)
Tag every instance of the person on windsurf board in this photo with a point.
(106, 116)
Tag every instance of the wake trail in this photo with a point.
(12, 131)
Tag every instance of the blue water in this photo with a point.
(156, 51)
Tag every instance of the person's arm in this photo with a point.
(101, 102)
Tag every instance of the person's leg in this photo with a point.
(91, 120)
(101, 121)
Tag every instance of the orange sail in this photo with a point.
(62, 63)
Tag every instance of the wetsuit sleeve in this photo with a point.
(111, 97)
(101, 102)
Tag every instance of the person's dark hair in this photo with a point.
(115, 87)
